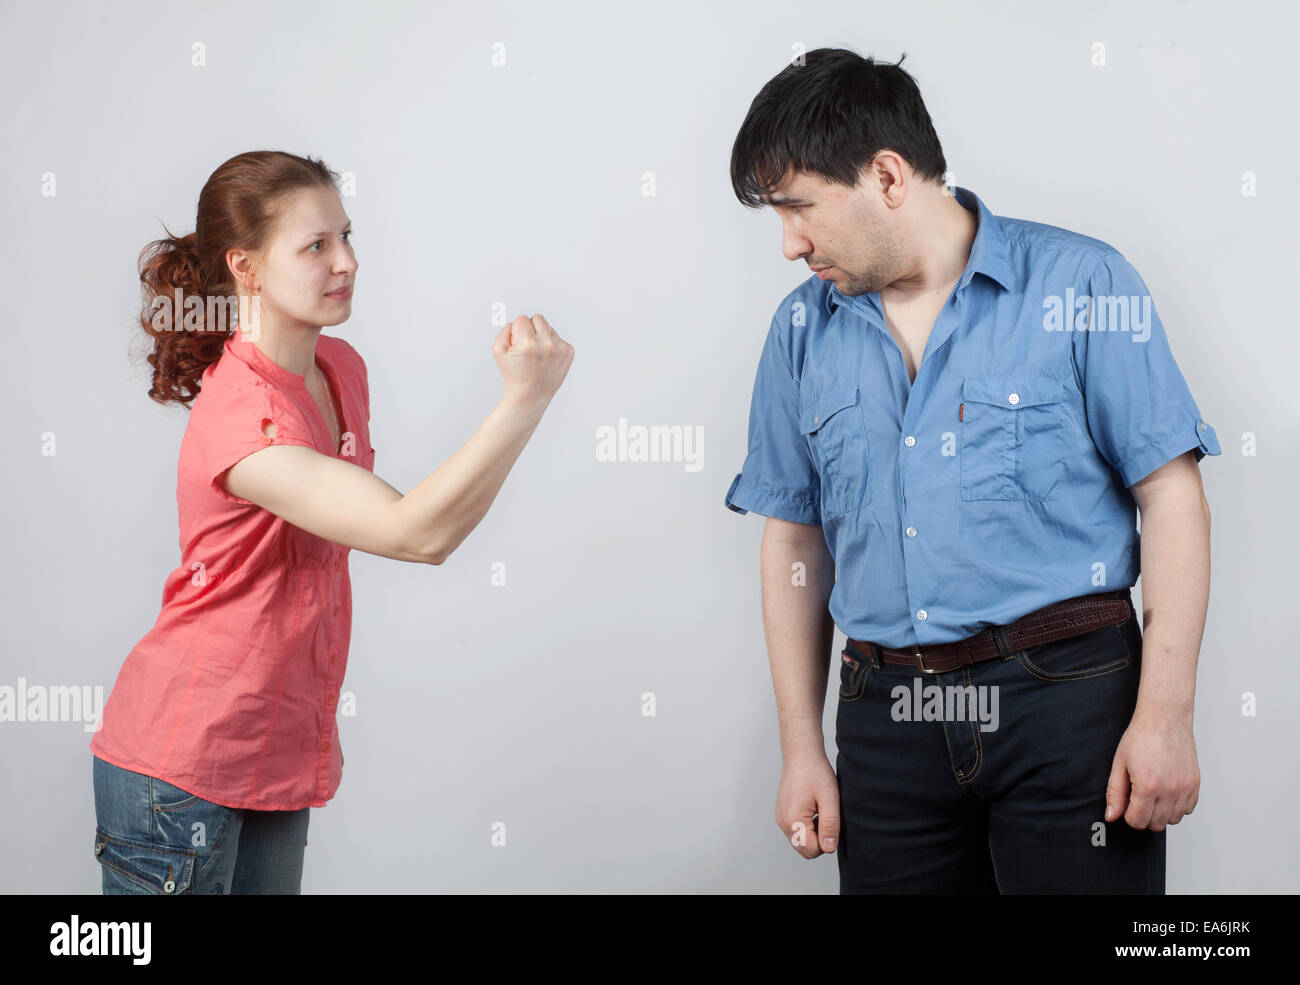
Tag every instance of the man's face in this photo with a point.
(830, 225)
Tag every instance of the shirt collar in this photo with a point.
(243, 347)
(989, 254)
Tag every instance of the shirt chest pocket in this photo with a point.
(837, 439)
(1012, 437)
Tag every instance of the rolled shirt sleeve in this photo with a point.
(1139, 409)
(778, 478)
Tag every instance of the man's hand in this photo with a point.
(1157, 759)
(808, 786)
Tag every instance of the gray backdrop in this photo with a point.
(523, 185)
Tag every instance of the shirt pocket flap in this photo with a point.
(1012, 392)
(821, 408)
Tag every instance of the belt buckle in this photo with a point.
(920, 660)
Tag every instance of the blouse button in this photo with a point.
(333, 658)
(326, 746)
(266, 440)
(330, 701)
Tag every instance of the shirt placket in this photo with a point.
(914, 399)
(914, 545)
(333, 670)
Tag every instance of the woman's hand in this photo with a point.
(533, 361)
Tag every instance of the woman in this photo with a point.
(220, 732)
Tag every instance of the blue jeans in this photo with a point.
(976, 790)
(154, 838)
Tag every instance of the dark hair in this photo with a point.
(239, 207)
(830, 116)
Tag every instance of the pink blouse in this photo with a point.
(232, 695)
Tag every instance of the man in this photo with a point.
(952, 423)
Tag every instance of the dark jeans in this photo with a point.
(1006, 792)
(152, 838)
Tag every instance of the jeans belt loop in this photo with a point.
(1003, 640)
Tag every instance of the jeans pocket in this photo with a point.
(854, 671)
(132, 867)
(1012, 444)
(836, 431)
(1091, 654)
(164, 796)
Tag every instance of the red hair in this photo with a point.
(239, 208)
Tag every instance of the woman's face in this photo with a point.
(307, 262)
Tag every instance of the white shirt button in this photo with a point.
(911, 531)
(922, 615)
(1013, 398)
(909, 441)
(1200, 426)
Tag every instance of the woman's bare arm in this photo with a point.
(348, 505)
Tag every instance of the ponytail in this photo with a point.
(170, 274)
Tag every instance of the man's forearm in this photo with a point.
(799, 630)
(1175, 591)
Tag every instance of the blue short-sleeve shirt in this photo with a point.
(998, 481)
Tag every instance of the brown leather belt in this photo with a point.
(1057, 621)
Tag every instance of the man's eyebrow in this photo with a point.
(783, 200)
